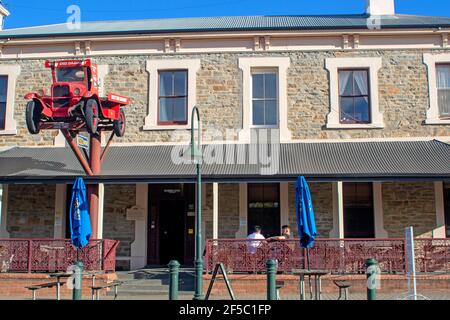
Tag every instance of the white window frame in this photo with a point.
(247, 64)
(12, 72)
(431, 61)
(153, 67)
(373, 64)
(264, 71)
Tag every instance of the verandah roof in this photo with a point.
(338, 161)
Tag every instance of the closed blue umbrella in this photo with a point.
(80, 223)
(305, 216)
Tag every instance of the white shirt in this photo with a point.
(253, 245)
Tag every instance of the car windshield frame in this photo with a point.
(69, 75)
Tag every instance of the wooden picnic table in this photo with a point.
(65, 275)
(316, 274)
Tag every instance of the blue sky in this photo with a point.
(26, 13)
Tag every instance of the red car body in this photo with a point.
(75, 83)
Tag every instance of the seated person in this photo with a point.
(285, 234)
(253, 245)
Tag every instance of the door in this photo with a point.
(264, 208)
(172, 229)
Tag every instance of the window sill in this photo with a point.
(168, 127)
(9, 132)
(437, 122)
(355, 126)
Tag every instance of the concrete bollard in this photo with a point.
(174, 269)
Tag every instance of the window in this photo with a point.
(172, 117)
(3, 96)
(172, 106)
(354, 98)
(438, 66)
(264, 208)
(358, 210)
(447, 208)
(443, 88)
(264, 99)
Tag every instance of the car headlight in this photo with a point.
(76, 92)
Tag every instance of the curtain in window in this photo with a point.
(443, 77)
(361, 85)
(345, 85)
(443, 84)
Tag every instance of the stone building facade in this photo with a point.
(306, 89)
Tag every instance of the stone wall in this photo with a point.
(403, 94)
(31, 211)
(409, 204)
(118, 198)
(322, 197)
(228, 210)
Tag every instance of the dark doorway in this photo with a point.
(359, 220)
(264, 208)
(171, 231)
(447, 208)
(69, 190)
(171, 224)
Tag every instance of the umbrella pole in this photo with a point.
(307, 257)
(309, 269)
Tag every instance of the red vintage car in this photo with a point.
(74, 101)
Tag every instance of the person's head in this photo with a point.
(257, 229)
(286, 230)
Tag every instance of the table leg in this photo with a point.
(310, 288)
(58, 290)
(320, 288)
(302, 287)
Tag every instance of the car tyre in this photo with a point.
(33, 116)
(91, 116)
(119, 125)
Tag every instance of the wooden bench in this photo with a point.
(48, 285)
(96, 289)
(343, 287)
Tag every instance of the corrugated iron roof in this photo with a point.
(244, 23)
(408, 160)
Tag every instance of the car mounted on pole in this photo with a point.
(74, 103)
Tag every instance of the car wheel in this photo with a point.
(91, 116)
(33, 116)
(119, 125)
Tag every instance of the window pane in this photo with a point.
(270, 87)
(346, 83)
(271, 113)
(2, 115)
(258, 86)
(362, 110)
(179, 110)
(165, 83)
(264, 208)
(258, 113)
(444, 103)
(360, 83)
(180, 83)
(443, 76)
(347, 109)
(3, 88)
(165, 109)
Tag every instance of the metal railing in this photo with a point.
(50, 255)
(339, 256)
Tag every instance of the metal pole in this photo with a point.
(198, 252)
(271, 279)
(174, 268)
(78, 288)
(93, 190)
(371, 265)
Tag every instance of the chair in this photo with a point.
(343, 288)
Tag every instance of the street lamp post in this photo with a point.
(195, 154)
